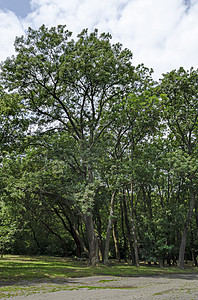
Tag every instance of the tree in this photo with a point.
(67, 85)
(180, 108)
(136, 121)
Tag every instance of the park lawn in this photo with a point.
(35, 268)
(25, 275)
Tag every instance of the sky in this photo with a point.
(162, 34)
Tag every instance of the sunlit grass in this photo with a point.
(22, 275)
(17, 268)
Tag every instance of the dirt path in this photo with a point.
(179, 286)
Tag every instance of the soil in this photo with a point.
(177, 286)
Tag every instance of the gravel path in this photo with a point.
(181, 286)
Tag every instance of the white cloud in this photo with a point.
(76, 14)
(161, 34)
(10, 27)
(147, 26)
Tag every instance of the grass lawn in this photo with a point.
(15, 268)
(19, 274)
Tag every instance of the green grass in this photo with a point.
(20, 274)
(15, 268)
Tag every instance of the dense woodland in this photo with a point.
(97, 159)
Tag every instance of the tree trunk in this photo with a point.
(184, 235)
(79, 242)
(88, 217)
(100, 241)
(194, 258)
(132, 256)
(115, 238)
(73, 230)
(108, 234)
(135, 243)
(100, 249)
(196, 218)
(123, 232)
(92, 240)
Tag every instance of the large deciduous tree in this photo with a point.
(180, 108)
(68, 85)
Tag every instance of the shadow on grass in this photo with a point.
(25, 270)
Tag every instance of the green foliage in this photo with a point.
(8, 229)
(180, 107)
(77, 122)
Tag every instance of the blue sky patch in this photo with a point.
(20, 7)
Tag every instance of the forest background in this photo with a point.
(98, 160)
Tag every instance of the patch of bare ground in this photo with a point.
(177, 286)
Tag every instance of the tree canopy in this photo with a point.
(97, 158)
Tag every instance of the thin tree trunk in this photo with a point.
(72, 229)
(192, 246)
(115, 238)
(108, 234)
(194, 257)
(100, 241)
(100, 249)
(132, 256)
(196, 218)
(78, 240)
(184, 235)
(123, 232)
(135, 243)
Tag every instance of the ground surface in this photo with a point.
(177, 286)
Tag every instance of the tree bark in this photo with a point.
(72, 229)
(184, 235)
(132, 256)
(115, 238)
(135, 243)
(196, 218)
(100, 241)
(108, 234)
(92, 240)
(123, 232)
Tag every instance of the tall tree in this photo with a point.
(180, 108)
(67, 85)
